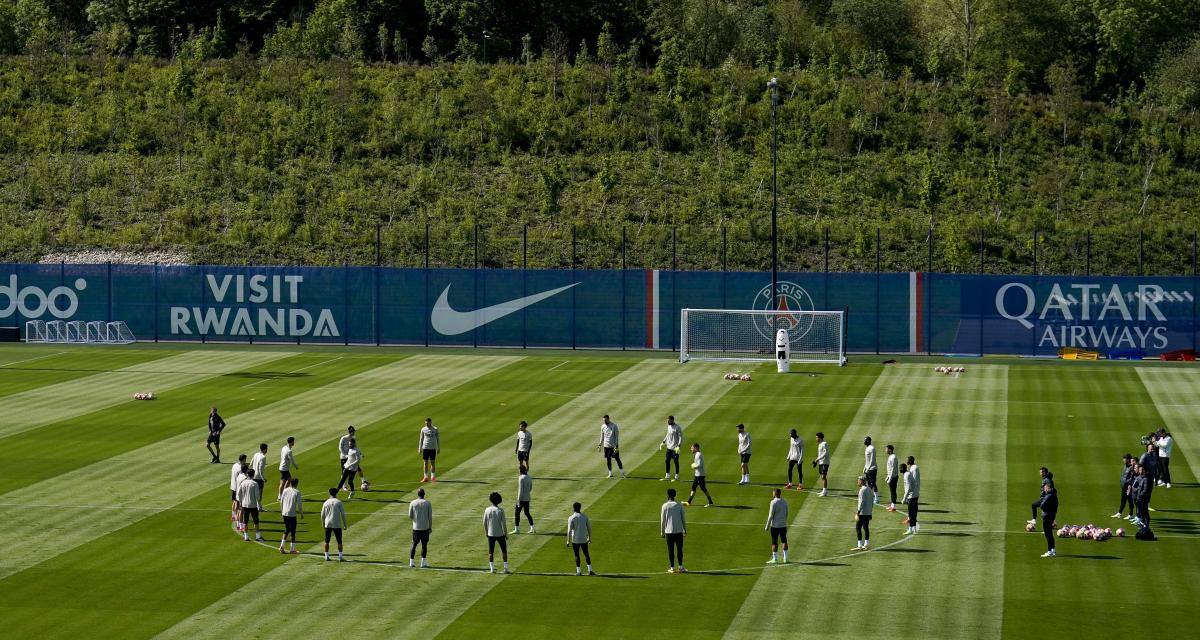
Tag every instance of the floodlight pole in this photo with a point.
(773, 85)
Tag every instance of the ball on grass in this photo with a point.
(746, 377)
(1029, 526)
(365, 486)
(1120, 533)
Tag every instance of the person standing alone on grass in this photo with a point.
(673, 527)
(259, 464)
(912, 492)
(421, 514)
(795, 460)
(350, 468)
(1126, 486)
(493, 527)
(287, 460)
(610, 442)
(777, 522)
(249, 497)
(235, 479)
(291, 504)
(333, 516)
(344, 447)
(862, 515)
(893, 476)
(698, 476)
(216, 425)
(744, 452)
(1048, 504)
(429, 444)
(579, 536)
(870, 469)
(524, 444)
(672, 442)
(524, 493)
(822, 463)
(1164, 443)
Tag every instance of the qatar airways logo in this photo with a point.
(34, 302)
(223, 316)
(1088, 315)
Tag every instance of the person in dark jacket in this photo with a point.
(1048, 504)
(1149, 461)
(1140, 491)
(1126, 483)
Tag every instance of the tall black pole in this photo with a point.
(773, 85)
(1035, 244)
(1140, 240)
(878, 237)
(1089, 253)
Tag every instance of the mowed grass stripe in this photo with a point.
(198, 548)
(1174, 394)
(175, 469)
(390, 600)
(54, 449)
(955, 427)
(628, 599)
(49, 404)
(1085, 423)
(22, 370)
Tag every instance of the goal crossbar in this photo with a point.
(748, 335)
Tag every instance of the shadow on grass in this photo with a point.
(954, 534)
(717, 572)
(823, 564)
(609, 576)
(267, 375)
(464, 481)
(1088, 557)
(905, 550)
(962, 523)
(738, 507)
(558, 479)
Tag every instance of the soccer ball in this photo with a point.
(1120, 533)
(1030, 527)
(365, 486)
(729, 376)
(746, 377)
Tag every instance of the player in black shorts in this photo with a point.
(215, 426)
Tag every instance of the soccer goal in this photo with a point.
(78, 332)
(741, 335)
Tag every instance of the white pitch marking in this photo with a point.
(557, 365)
(51, 355)
(294, 371)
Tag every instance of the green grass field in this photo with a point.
(117, 525)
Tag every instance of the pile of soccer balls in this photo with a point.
(950, 370)
(1089, 532)
(144, 395)
(738, 376)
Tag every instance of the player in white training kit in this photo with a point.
(249, 495)
(912, 492)
(234, 479)
(795, 460)
(862, 515)
(672, 442)
(698, 477)
(421, 514)
(344, 447)
(291, 504)
(524, 444)
(673, 527)
(777, 523)
(579, 536)
(524, 494)
(870, 469)
(333, 516)
(351, 468)
(610, 442)
(893, 476)
(287, 460)
(744, 452)
(259, 464)
(493, 527)
(429, 444)
(822, 463)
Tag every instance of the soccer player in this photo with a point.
(579, 535)
(777, 522)
(1126, 484)
(1142, 485)
(429, 444)
(259, 464)
(1164, 443)
(795, 460)
(344, 447)
(698, 476)
(421, 514)
(286, 462)
(524, 491)
(822, 463)
(215, 426)
(893, 476)
(493, 527)
(870, 469)
(1149, 461)
(672, 527)
(744, 452)
(1048, 503)
(291, 504)
(610, 442)
(524, 444)
(234, 480)
(249, 495)
(862, 515)
(333, 516)
(912, 492)
(672, 442)
(350, 469)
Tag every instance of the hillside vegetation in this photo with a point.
(299, 144)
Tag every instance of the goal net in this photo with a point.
(739, 335)
(78, 332)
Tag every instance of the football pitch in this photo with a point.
(117, 525)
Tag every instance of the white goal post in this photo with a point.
(744, 335)
(79, 332)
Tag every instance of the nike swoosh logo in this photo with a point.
(449, 322)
